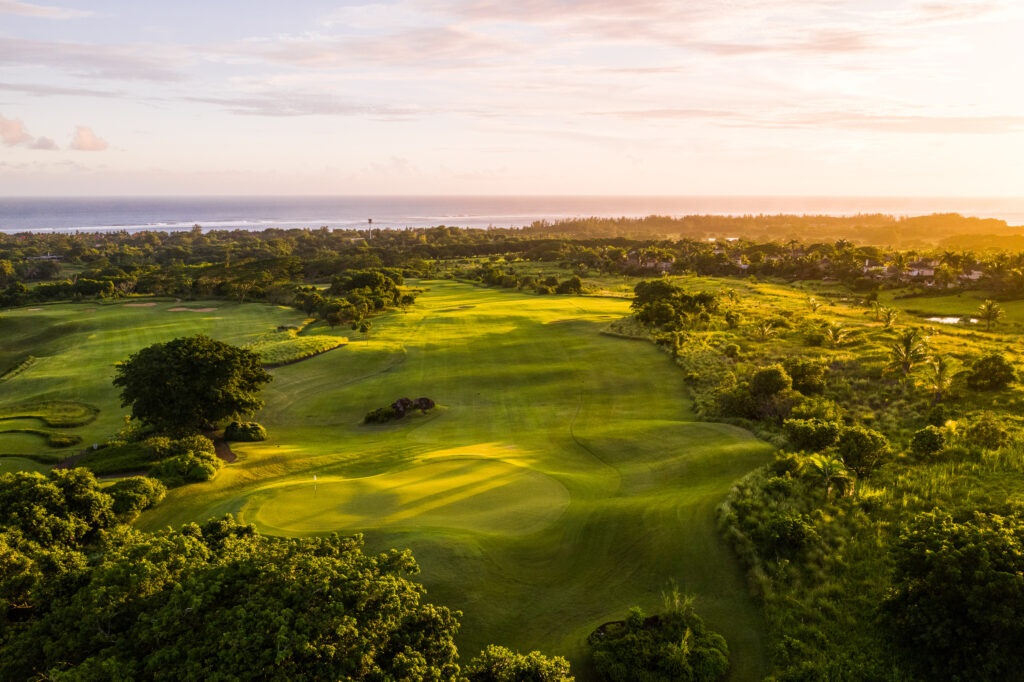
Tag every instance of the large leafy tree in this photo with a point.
(186, 384)
(956, 610)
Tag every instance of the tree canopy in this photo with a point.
(189, 383)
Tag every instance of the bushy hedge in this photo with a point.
(398, 409)
(245, 432)
(190, 466)
(135, 494)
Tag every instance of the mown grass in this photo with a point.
(15, 464)
(77, 347)
(561, 479)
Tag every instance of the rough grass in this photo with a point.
(14, 464)
(561, 480)
(285, 346)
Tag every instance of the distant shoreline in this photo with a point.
(172, 214)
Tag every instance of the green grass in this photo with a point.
(14, 464)
(561, 480)
(77, 346)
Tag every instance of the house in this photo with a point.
(49, 256)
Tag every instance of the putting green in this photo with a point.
(468, 494)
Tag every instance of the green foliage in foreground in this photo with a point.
(671, 647)
(174, 461)
(187, 384)
(83, 597)
(958, 595)
(285, 346)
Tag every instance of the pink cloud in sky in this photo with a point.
(85, 140)
(12, 131)
(44, 143)
(27, 9)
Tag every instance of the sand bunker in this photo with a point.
(139, 305)
(90, 310)
(34, 310)
(192, 310)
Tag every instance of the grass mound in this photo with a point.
(56, 413)
(286, 346)
(53, 438)
(19, 368)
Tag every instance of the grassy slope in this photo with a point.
(560, 481)
(77, 350)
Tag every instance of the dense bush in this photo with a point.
(189, 466)
(770, 381)
(498, 664)
(811, 434)
(61, 440)
(808, 374)
(991, 372)
(985, 433)
(398, 409)
(245, 432)
(135, 494)
(673, 647)
(956, 611)
(782, 534)
(928, 442)
(862, 449)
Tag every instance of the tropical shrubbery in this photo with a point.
(674, 646)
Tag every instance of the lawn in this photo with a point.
(67, 388)
(561, 479)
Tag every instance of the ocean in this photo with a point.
(133, 214)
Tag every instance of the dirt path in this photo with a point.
(221, 447)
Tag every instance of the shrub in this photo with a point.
(986, 433)
(783, 534)
(811, 434)
(135, 494)
(245, 432)
(769, 381)
(862, 449)
(498, 664)
(818, 408)
(808, 375)
(992, 372)
(573, 285)
(423, 404)
(937, 415)
(187, 467)
(731, 350)
(381, 415)
(649, 649)
(928, 442)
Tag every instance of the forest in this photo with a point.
(770, 447)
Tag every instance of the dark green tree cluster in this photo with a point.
(661, 304)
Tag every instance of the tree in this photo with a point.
(829, 472)
(185, 385)
(909, 350)
(939, 376)
(835, 334)
(889, 317)
(861, 449)
(956, 609)
(163, 605)
(498, 664)
(991, 312)
(928, 442)
(990, 372)
(764, 330)
(769, 381)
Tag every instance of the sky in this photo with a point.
(500, 97)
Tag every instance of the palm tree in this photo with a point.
(939, 375)
(876, 310)
(899, 263)
(814, 304)
(835, 334)
(910, 349)
(991, 312)
(829, 472)
(889, 317)
(764, 330)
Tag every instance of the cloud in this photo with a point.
(13, 132)
(85, 140)
(304, 104)
(93, 61)
(45, 144)
(26, 9)
(39, 90)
